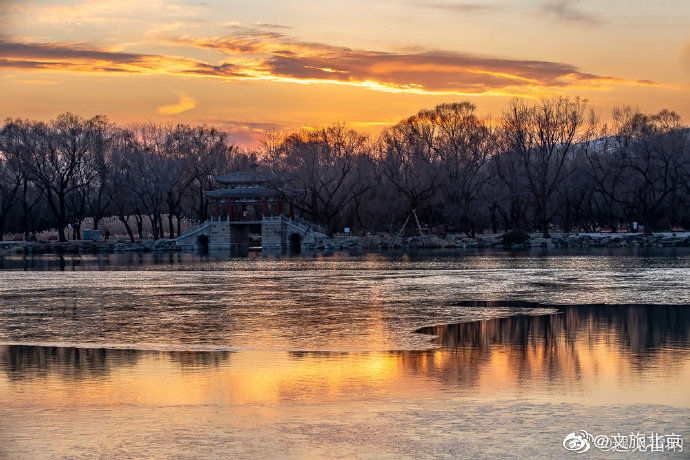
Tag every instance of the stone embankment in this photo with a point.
(85, 246)
(503, 241)
(564, 240)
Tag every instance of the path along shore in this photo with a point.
(340, 242)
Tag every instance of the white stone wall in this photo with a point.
(275, 234)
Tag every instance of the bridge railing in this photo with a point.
(303, 224)
(240, 219)
(192, 231)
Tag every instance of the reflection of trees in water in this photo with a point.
(639, 328)
(192, 359)
(27, 362)
(577, 342)
(74, 262)
(552, 346)
(454, 366)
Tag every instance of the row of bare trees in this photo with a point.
(538, 166)
(58, 174)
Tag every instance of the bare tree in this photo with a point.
(463, 144)
(330, 163)
(542, 137)
(124, 149)
(541, 165)
(608, 173)
(53, 157)
(208, 152)
(11, 174)
(271, 145)
(655, 149)
(102, 167)
(409, 163)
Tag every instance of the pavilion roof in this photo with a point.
(252, 176)
(255, 191)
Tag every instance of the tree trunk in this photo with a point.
(140, 225)
(202, 204)
(543, 222)
(61, 220)
(25, 210)
(515, 215)
(154, 230)
(128, 228)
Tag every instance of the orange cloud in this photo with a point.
(261, 55)
(78, 58)
(277, 57)
(184, 104)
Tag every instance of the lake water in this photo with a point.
(429, 354)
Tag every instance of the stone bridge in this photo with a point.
(277, 232)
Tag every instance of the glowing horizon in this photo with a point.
(271, 66)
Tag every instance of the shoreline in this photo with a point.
(373, 243)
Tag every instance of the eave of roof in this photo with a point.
(252, 192)
(247, 177)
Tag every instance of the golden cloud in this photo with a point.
(278, 57)
(184, 104)
(261, 55)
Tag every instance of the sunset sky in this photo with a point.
(248, 65)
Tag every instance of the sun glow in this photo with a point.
(294, 74)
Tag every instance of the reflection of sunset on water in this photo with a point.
(592, 354)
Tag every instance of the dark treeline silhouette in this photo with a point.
(539, 166)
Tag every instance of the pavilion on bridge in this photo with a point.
(245, 191)
(252, 199)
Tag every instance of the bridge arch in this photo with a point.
(295, 242)
(202, 242)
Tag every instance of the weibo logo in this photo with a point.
(576, 443)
